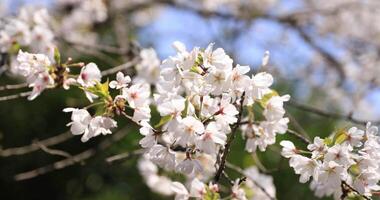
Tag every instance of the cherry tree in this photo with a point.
(192, 107)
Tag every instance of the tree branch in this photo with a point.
(229, 142)
(73, 159)
(34, 146)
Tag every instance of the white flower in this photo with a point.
(121, 81)
(258, 87)
(141, 114)
(188, 129)
(217, 79)
(39, 84)
(137, 95)
(162, 156)
(339, 154)
(331, 174)
(148, 70)
(210, 138)
(238, 77)
(189, 166)
(80, 120)
(197, 188)
(180, 190)
(99, 125)
(149, 171)
(275, 107)
(34, 67)
(366, 182)
(83, 123)
(237, 192)
(149, 136)
(305, 167)
(173, 107)
(318, 147)
(89, 75)
(288, 149)
(354, 137)
(265, 60)
(227, 112)
(217, 58)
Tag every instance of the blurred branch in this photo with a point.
(15, 96)
(36, 145)
(13, 87)
(323, 113)
(99, 47)
(81, 157)
(124, 66)
(123, 156)
(53, 151)
(299, 136)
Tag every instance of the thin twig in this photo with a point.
(229, 142)
(299, 136)
(74, 159)
(15, 96)
(344, 183)
(121, 67)
(53, 151)
(13, 87)
(123, 156)
(15, 151)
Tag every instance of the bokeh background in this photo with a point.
(325, 54)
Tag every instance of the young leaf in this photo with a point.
(163, 121)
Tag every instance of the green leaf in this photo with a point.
(14, 48)
(328, 141)
(340, 139)
(100, 89)
(264, 101)
(57, 56)
(340, 136)
(354, 169)
(163, 121)
(184, 111)
(211, 195)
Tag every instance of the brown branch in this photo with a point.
(73, 159)
(15, 96)
(121, 67)
(34, 146)
(299, 136)
(53, 151)
(13, 87)
(229, 142)
(345, 184)
(241, 171)
(123, 156)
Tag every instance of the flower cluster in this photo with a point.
(35, 68)
(31, 28)
(347, 158)
(84, 123)
(199, 98)
(77, 25)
